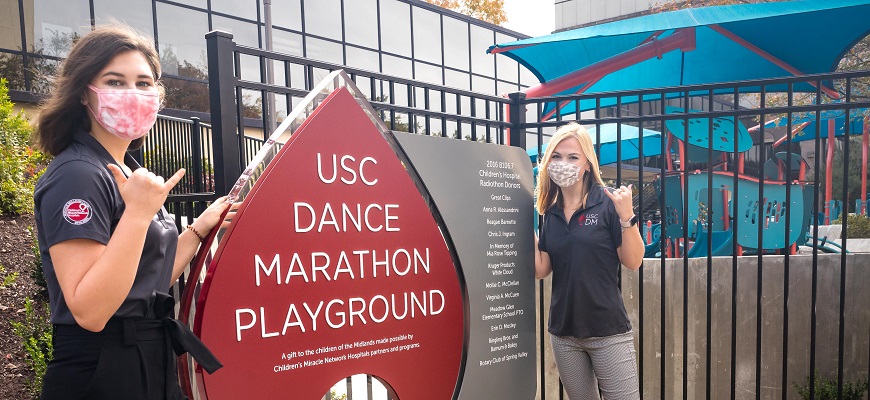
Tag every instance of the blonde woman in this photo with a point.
(588, 231)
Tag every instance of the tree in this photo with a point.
(193, 95)
(491, 11)
(679, 5)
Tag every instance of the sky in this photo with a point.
(532, 17)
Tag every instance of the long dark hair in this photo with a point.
(63, 113)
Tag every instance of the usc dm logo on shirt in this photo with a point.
(77, 211)
(588, 220)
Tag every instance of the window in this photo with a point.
(286, 42)
(455, 43)
(456, 79)
(506, 66)
(287, 14)
(502, 87)
(15, 78)
(182, 41)
(137, 14)
(427, 35)
(481, 62)
(362, 59)
(427, 73)
(244, 33)
(397, 67)
(361, 23)
(55, 24)
(482, 85)
(527, 78)
(10, 28)
(324, 50)
(238, 8)
(396, 27)
(323, 18)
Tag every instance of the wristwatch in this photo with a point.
(631, 222)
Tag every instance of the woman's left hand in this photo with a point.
(622, 200)
(212, 215)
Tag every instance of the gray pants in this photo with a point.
(587, 364)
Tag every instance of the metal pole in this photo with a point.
(270, 76)
(221, 86)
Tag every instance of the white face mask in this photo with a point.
(564, 173)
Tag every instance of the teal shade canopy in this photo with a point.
(627, 146)
(809, 37)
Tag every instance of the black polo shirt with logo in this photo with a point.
(586, 300)
(77, 198)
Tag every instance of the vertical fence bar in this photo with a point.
(196, 151)
(735, 251)
(847, 121)
(815, 273)
(684, 170)
(517, 119)
(761, 217)
(663, 260)
(787, 246)
(221, 86)
(709, 326)
(641, 161)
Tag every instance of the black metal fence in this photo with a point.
(712, 317)
(698, 184)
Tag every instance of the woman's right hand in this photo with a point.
(143, 192)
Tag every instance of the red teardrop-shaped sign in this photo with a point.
(334, 266)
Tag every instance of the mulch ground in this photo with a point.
(16, 257)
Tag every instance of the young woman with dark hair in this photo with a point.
(110, 251)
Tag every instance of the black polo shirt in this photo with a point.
(77, 198)
(586, 300)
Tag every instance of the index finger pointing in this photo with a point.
(173, 180)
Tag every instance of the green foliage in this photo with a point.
(20, 165)
(7, 279)
(858, 225)
(333, 396)
(164, 160)
(35, 335)
(826, 389)
(36, 272)
(491, 11)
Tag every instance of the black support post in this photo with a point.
(221, 88)
(517, 118)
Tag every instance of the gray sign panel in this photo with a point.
(484, 195)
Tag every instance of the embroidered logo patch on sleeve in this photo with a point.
(77, 211)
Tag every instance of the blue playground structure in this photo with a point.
(703, 201)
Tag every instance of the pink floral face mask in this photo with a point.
(128, 114)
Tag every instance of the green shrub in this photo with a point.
(858, 226)
(7, 279)
(35, 335)
(20, 165)
(36, 272)
(826, 389)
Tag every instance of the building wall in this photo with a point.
(407, 38)
(572, 14)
